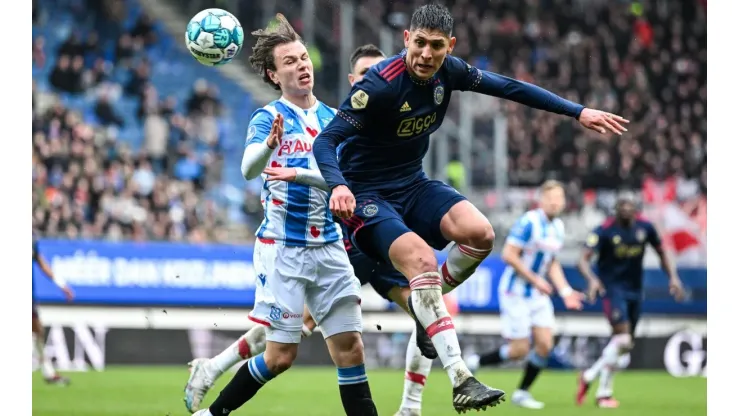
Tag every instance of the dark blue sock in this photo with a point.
(535, 363)
(245, 384)
(355, 391)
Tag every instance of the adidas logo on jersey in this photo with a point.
(405, 107)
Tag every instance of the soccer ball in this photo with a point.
(214, 37)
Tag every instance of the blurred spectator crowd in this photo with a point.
(87, 183)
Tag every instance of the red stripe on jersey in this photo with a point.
(396, 73)
(391, 67)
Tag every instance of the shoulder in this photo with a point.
(378, 82)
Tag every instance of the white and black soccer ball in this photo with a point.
(214, 37)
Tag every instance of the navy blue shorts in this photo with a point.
(380, 219)
(381, 276)
(620, 307)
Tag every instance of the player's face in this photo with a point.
(427, 50)
(293, 68)
(362, 66)
(553, 202)
(626, 211)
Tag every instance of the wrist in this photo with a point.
(566, 291)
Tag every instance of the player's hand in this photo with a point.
(68, 293)
(276, 132)
(675, 287)
(595, 289)
(543, 286)
(602, 121)
(281, 174)
(574, 301)
(342, 202)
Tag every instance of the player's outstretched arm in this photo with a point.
(469, 78)
(571, 298)
(263, 137)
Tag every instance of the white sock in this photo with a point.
(461, 263)
(606, 376)
(47, 368)
(609, 356)
(430, 310)
(248, 345)
(417, 370)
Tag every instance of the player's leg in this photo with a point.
(334, 301)
(516, 328)
(542, 315)
(615, 308)
(47, 368)
(440, 214)
(415, 259)
(277, 302)
(418, 366)
(281, 351)
(605, 392)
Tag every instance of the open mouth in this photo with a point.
(424, 67)
(304, 77)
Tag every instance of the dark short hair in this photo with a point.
(433, 17)
(364, 51)
(263, 56)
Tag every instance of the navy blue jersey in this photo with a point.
(621, 251)
(381, 131)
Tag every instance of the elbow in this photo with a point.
(249, 172)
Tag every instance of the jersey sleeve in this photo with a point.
(521, 233)
(466, 77)
(259, 127)
(654, 238)
(365, 103)
(594, 239)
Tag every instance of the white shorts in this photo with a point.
(321, 277)
(520, 314)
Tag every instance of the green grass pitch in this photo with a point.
(158, 391)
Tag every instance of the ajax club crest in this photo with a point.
(439, 94)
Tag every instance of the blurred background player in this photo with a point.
(299, 256)
(37, 328)
(382, 131)
(530, 253)
(619, 245)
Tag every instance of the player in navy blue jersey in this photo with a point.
(37, 328)
(619, 245)
(397, 213)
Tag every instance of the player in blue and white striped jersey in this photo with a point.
(299, 256)
(530, 253)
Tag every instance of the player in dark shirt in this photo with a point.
(382, 132)
(619, 245)
(47, 368)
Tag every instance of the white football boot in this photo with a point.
(524, 399)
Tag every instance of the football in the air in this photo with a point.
(214, 37)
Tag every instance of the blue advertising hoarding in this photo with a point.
(173, 274)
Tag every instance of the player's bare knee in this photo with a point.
(346, 349)
(482, 236)
(543, 347)
(280, 357)
(518, 348)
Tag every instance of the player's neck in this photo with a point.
(304, 101)
(625, 223)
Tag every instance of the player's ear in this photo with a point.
(406, 38)
(351, 79)
(453, 41)
(273, 77)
